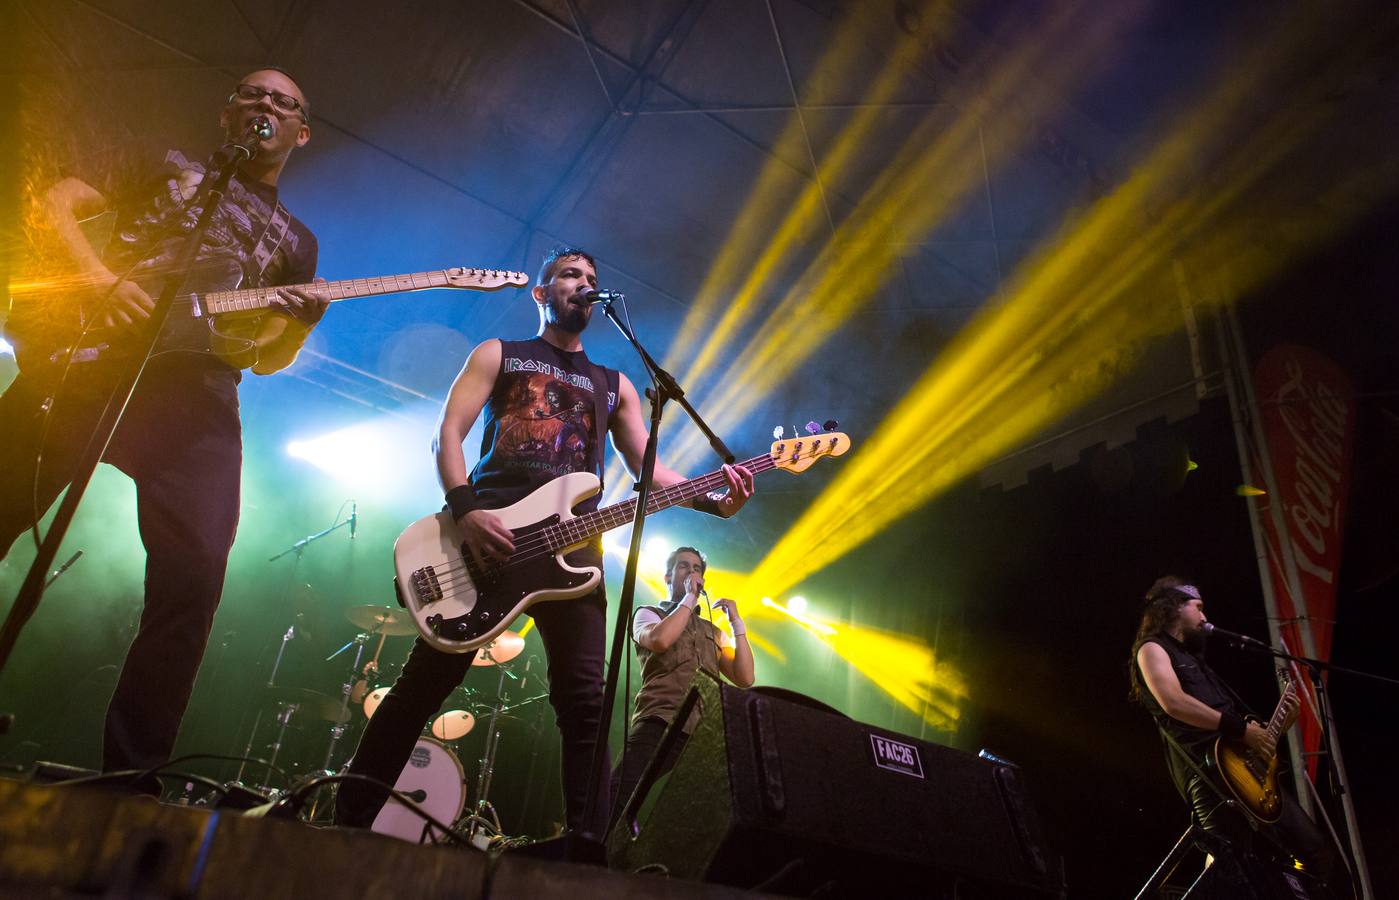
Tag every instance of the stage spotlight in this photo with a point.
(797, 606)
(376, 459)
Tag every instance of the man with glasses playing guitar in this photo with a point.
(180, 438)
(1223, 765)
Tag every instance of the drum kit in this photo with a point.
(434, 777)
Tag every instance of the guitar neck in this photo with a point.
(1274, 728)
(589, 525)
(249, 299)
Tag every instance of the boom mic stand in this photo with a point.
(665, 388)
(223, 164)
(1325, 723)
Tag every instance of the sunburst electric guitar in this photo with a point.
(1250, 777)
(460, 605)
(51, 329)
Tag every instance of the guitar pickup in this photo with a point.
(425, 585)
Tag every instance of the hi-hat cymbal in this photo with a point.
(504, 648)
(381, 620)
(309, 702)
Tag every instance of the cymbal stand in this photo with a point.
(285, 714)
(337, 731)
(287, 638)
(483, 780)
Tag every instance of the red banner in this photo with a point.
(1307, 409)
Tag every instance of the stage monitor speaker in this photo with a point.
(775, 792)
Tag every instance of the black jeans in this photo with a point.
(642, 741)
(181, 442)
(574, 635)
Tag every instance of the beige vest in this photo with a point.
(665, 677)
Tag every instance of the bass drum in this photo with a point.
(434, 779)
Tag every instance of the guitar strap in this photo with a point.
(271, 239)
(599, 376)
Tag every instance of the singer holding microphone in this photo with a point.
(180, 438)
(1192, 707)
(673, 643)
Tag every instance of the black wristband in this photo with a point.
(706, 504)
(462, 500)
(1232, 725)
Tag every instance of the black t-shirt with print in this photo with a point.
(149, 189)
(538, 423)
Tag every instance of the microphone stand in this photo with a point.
(665, 388)
(1326, 723)
(223, 164)
(300, 545)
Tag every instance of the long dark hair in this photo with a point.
(1163, 603)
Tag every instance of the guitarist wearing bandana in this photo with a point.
(180, 439)
(1202, 721)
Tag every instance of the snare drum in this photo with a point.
(434, 779)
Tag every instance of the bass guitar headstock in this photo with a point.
(799, 452)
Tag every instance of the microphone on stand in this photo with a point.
(593, 295)
(260, 128)
(354, 518)
(1241, 639)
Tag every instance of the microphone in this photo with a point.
(1237, 638)
(593, 295)
(417, 796)
(260, 128)
(354, 518)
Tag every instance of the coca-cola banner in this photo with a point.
(1307, 408)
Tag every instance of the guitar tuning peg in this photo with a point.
(813, 428)
(777, 433)
(830, 425)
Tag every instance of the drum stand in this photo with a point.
(337, 730)
(283, 716)
(483, 781)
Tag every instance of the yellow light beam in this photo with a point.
(1074, 318)
(937, 168)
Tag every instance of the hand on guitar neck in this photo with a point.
(1264, 741)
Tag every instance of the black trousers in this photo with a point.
(181, 442)
(1294, 832)
(574, 635)
(642, 741)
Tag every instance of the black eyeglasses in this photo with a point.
(251, 93)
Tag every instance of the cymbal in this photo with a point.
(504, 648)
(381, 619)
(312, 703)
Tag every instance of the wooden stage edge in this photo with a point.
(58, 841)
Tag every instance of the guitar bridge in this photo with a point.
(425, 585)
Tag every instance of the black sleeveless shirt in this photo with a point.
(538, 421)
(1199, 681)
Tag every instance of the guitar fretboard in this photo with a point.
(585, 527)
(248, 299)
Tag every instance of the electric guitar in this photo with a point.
(1250, 777)
(214, 316)
(460, 605)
